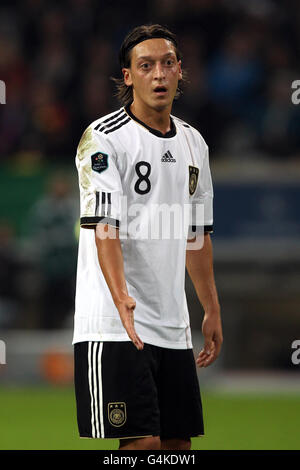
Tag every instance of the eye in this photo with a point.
(170, 62)
(145, 66)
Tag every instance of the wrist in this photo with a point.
(119, 298)
(212, 311)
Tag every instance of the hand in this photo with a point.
(126, 308)
(213, 339)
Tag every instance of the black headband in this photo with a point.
(142, 38)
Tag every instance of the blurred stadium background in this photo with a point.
(56, 59)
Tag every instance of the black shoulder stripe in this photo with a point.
(117, 127)
(185, 125)
(113, 116)
(107, 126)
(109, 119)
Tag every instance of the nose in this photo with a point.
(159, 73)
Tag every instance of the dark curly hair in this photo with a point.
(124, 93)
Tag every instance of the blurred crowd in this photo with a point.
(57, 57)
(37, 271)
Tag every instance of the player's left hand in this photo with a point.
(213, 339)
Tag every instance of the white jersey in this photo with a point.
(126, 172)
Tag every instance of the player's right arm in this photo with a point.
(100, 209)
(111, 261)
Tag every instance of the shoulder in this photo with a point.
(99, 133)
(111, 122)
(191, 133)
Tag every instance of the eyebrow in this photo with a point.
(148, 57)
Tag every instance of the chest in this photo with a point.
(157, 169)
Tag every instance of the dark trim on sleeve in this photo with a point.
(207, 228)
(91, 222)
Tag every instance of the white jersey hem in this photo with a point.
(117, 337)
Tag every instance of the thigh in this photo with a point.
(179, 395)
(116, 394)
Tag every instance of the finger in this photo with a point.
(202, 353)
(201, 363)
(203, 357)
(128, 323)
(134, 337)
(208, 345)
(218, 343)
(209, 360)
(201, 360)
(138, 342)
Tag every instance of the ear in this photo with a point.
(127, 76)
(179, 70)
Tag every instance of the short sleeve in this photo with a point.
(99, 181)
(203, 196)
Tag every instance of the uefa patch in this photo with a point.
(194, 174)
(99, 162)
(117, 414)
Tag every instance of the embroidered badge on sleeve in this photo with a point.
(99, 162)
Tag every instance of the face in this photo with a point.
(154, 73)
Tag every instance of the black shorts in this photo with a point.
(125, 393)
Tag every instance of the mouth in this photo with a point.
(160, 90)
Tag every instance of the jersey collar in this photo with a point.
(170, 133)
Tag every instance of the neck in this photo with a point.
(157, 119)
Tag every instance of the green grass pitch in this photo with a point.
(44, 418)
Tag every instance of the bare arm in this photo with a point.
(111, 262)
(199, 264)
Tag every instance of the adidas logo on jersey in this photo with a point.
(168, 157)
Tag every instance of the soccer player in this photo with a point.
(135, 372)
